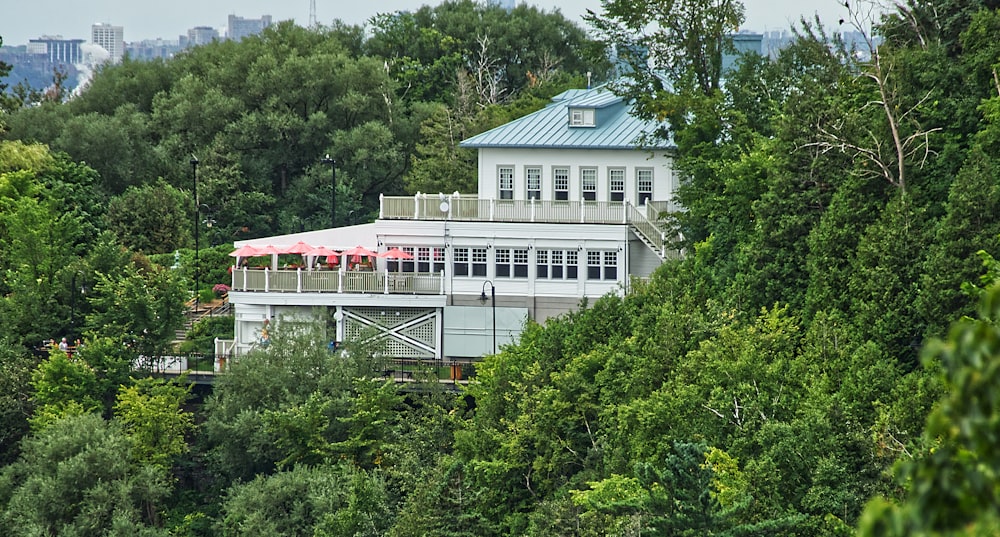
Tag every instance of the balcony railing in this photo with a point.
(472, 208)
(328, 281)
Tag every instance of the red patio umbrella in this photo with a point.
(297, 248)
(322, 251)
(245, 251)
(395, 253)
(268, 250)
(359, 251)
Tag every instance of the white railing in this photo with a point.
(648, 230)
(472, 208)
(325, 281)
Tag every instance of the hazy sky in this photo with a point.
(22, 20)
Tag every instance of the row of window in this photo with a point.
(588, 183)
(550, 264)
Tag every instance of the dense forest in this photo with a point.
(823, 361)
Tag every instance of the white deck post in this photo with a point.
(416, 206)
(298, 280)
(267, 280)
(624, 212)
(381, 206)
(492, 207)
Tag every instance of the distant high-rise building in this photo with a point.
(56, 49)
(240, 27)
(149, 49)
(506, 4)
(201, 35)
(110, 38)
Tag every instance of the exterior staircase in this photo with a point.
(193, 314)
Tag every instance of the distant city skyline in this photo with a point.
(71, 19)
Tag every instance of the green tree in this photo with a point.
(16, 406)
(951, 485)
(78, 477)
(153, 218)
(152, 416)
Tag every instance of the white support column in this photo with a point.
(298, 280)
(381, 206)
(416, 206)
(439, 329)
(267, 280)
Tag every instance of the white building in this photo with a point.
(110, 38)
(567, 209)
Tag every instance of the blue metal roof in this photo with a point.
(549, 128)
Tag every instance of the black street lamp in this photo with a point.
(333, 190)
(197, 224)
(493, 301)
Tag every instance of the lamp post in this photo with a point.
(493, 302)
(333, 189)
(197, 224)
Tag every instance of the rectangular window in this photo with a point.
(408, 265)
(551, 264)
(560, 184)
(542, 263)
(520, 263)
(533, 178)
(588, 184)
(503, 263)
(506, 176)
(558, 269)
(593, 265)
(644, 184)
(479, 262)
(438, 259)
(611, 265)
(423, 259)
(616, 184)
(461, 262)
(581, 117)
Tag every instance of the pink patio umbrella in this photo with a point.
(322, 251)
(359, 251)
(395, 253)
(297, 248)
(268, 250)
(355, 254)
(245, 251)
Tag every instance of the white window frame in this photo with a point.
(588, 184)
(616, 184)
(560, 183)
(581, 117)
(533, 182)
(505, 182)
(643, 185)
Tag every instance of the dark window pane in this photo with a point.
(562, 195)
(503, 271)
(479, 269)
(571, 272)
(543, 271)
(520, 271)
(461, 269)
(610, 273)
(617, 196)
